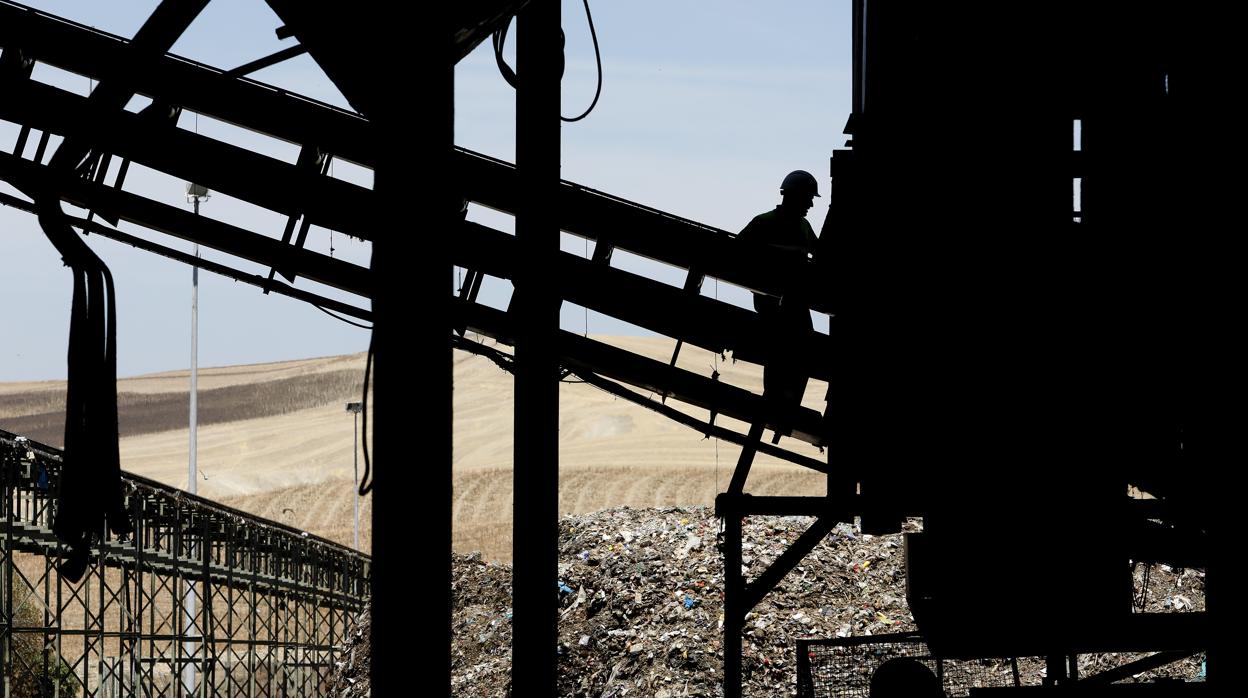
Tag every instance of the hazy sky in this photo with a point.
(704, 108)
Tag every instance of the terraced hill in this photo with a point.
(274, 439)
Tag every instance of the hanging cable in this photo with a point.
(331, 230)
(499, 40)
(501, 359)
(89, 498)
(598, 60)
(715, 369)
(366, 483)
(347, 320)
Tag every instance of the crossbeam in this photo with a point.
(705, 322)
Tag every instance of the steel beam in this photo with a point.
(729, 505)
(245, 174)
(412, 281)
(705, 322)
(593, 214)
(734, 607)
(589, 355)
(184, 225)
(535, 533)
(649, 232)
(197, 87)
(584, 211)
(756, 590)
(610, 386)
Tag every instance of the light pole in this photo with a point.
(194, 194)
(354, 408)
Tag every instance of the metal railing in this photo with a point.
(274, 603)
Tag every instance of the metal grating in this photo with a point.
(842, 667)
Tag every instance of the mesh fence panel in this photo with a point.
(842, 667)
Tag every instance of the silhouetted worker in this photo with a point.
(902, 677)
(786, 231)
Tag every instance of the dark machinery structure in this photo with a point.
(1001, 362)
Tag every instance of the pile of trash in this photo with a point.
(643, 601)
(351, 678)
(641, 606)
(481, 627)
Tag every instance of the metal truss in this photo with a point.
(942, 363)
(273, 603)
(302, 192)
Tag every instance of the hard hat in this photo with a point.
(800, 181)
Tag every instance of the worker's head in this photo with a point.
(902, 676)
(799, 190)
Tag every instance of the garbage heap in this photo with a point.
(642, 606)
(351, 678)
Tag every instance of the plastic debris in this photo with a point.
(644, 621)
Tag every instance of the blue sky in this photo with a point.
(704, 108)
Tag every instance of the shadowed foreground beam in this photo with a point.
(536, 461)
(411, 351)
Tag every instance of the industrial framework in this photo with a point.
(997, 366)
(275, 604)
(306, 194)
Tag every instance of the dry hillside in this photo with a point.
(274, 439)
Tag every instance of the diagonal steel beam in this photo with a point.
(258, 179)
(267, 61)
(618, 390)
(1152, 661)
(154, 38)
(203, 230)
(654, 234)
(591, 356)
(596, 215)
(207, 265)
(704, 322)
(756, 590)
(195, 86)
(489, 181)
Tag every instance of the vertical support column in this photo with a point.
(1055, 669)
(51, 619)
(252, 665)
(6, 582)
(101, 675)
(142, 608)
(207, 648)
(1202, 68)
(805, 686)
(734, 596)
(134, 600)
(412, 281)
(535, 533)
